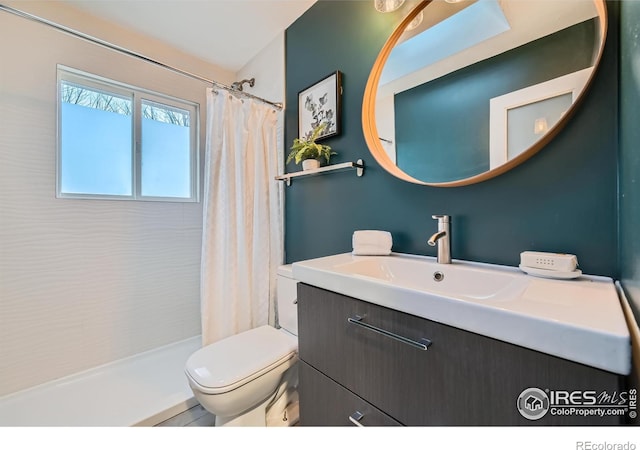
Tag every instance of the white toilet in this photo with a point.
(238, 378)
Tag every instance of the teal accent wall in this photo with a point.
(448, 118)
(630, 150)
(563, 199)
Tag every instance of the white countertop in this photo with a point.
(580, 320)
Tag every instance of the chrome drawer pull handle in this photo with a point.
(423, 344)
(355, 418)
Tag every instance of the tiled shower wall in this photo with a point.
(84, 282)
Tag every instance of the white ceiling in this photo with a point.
(227, 33)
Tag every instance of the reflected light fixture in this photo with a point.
(540, 126)
(386, 6)
(417, 20)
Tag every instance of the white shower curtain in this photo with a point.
(242, 220)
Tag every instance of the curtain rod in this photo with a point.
(128, 52)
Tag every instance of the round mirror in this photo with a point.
(465, 90)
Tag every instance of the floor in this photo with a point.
(197, 416)
(194, 417)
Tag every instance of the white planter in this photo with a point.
(309, 164)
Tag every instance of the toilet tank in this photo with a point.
(286, 297)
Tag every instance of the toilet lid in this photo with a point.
(238, 359)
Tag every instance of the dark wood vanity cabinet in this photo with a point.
(349, 369)
(330, 404)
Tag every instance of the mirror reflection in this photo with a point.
(471, 85)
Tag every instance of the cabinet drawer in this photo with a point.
(323, 402)
(461, 379)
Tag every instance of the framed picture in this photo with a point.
(321, 103)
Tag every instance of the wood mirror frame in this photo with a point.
(369, 105)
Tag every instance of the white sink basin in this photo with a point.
(580, 320)
(462, 281)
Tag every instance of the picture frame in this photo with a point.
(321, 103)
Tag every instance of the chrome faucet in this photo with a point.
(443, 238)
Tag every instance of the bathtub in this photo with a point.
(141, 390)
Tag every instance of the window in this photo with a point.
(120, 142)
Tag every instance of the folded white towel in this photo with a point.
(372, 242)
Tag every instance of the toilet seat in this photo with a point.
(232, 362)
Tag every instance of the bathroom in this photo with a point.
(101, 281)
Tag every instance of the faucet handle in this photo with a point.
(441, 217)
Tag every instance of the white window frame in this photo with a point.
(137, 94)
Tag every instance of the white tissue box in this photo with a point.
(372, 242)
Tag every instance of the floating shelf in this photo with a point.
(358, 165)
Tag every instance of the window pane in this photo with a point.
(526, 123)
(166, 151)
(95, 142)
(99, 123)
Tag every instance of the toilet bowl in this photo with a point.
(238, 378)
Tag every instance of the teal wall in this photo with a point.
(425, 114)
(562, 199)
(630, 150)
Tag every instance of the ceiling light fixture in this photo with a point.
(385, 6)
(540, 126)
(417, 20)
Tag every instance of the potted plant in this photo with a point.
(309, 151)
